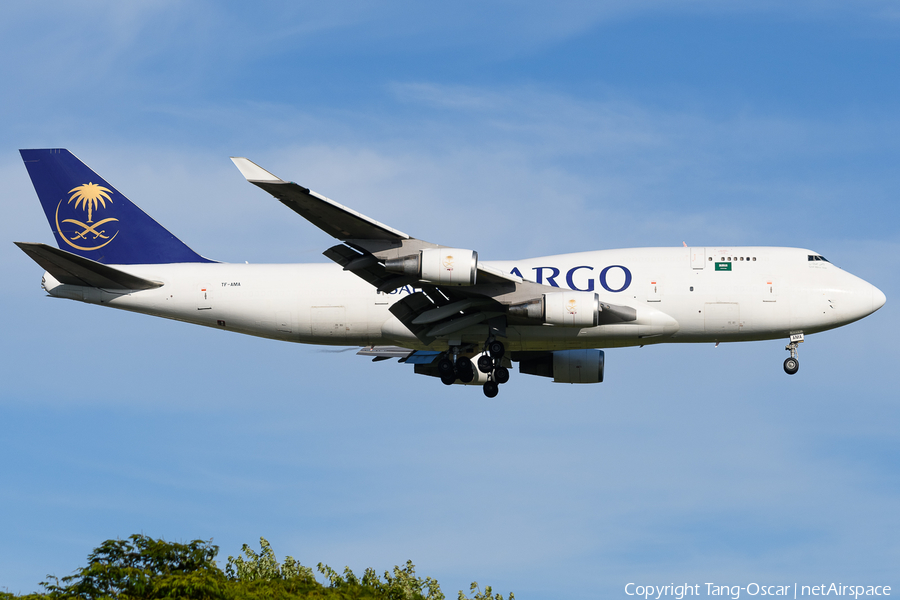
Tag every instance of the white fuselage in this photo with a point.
(680, 295)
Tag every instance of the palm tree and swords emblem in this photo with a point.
(89, 197)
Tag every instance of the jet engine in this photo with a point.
(567, 366)
(566, 308)
(447, 266)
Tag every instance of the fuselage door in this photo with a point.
(769, 291)
(653, 293)
(204, 300)
(698, 258)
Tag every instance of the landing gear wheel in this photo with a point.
(448, 378)
(491, 389)
(485, 364)
(791, 365)
(496, 349)
(445, 366)
(501, 375)
(464, 369)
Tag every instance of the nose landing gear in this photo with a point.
(792, 364)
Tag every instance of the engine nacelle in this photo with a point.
(567, 366)
(578, 366)
(446, 266)
(565, 308)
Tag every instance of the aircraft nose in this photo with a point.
(860, 299)
(878, 298)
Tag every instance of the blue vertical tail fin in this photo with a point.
(90, 218)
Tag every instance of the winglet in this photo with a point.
(252, 171)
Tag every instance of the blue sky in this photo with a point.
(518, 129)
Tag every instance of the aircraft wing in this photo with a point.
(367, 235)
(334, 219)
(438, 309)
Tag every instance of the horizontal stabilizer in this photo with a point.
(72, 269)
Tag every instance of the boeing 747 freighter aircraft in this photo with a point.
(439, 308)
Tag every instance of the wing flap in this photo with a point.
(367, 268)
(409, 308)
(379, 353)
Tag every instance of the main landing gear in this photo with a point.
(792, 363)
(454, 365)
(491, 363)
(459, 367)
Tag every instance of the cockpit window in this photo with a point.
(814, 257)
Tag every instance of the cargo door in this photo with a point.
(722, 317)
(328, 321)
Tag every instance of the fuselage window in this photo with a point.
(742, 258)
(754, 259)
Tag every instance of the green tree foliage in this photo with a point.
(143, 568)
(264, 566)
(402, 584)
(485, 595)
